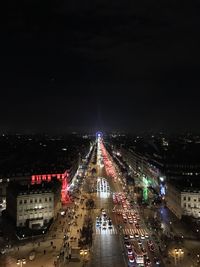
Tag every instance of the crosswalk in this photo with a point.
(120, 211)
(112, 231)
(128, 231)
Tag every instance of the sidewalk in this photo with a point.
(74, 235)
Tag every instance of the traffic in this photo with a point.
(139, 248)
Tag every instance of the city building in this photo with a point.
(183, 197)
(33, 206)
(38, 158)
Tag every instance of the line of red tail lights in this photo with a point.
(39, 178)
(110, 169)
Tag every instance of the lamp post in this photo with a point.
(83, 253)
(178, 254)
(198, 259)
(21, 262)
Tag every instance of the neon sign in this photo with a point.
(39, 178)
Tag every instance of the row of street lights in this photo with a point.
(21, 262)
(178, 254)
(83, 254)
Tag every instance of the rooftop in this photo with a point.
(186, 184)
(45, 187)
(39, 154)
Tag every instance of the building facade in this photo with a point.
(190, 202)
(33, 206)
(183, 200)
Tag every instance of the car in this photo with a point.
(142, 236)
(104, 225)
(130, 251)
(131, 258)
(137, 225)
(146, 235)
(131, 236)
(156, 261)
(129, 217)
(103, 212)
(136, 235)
(147, 262)
(126, 237)
(127, 244)
(3, 251)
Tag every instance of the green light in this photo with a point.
(145, 193)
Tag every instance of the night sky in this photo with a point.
(108, 65)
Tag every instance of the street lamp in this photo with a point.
(178, 254)
(21, 262)
(83, 253)
(198, 259)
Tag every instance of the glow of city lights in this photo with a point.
(110, 169)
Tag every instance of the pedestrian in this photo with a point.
(44, 252)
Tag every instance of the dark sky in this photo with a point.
(75, 65)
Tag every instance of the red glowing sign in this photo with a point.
(37, 179)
